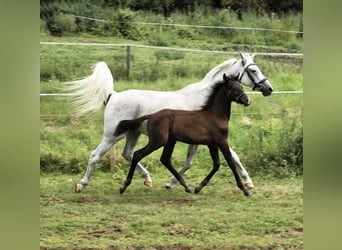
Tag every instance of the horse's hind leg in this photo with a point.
(192, 149)
(131, 140)
(216, 165)
(227, 155)
(166, 160)
(242, 171)
(95, 157)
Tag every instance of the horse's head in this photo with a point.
(251, 76)
(235, 91)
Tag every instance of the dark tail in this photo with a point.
(127, 125)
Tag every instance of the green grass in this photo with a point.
(220, 217)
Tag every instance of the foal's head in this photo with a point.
(235, 91)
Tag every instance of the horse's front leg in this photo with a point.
(227, 155)
(192, 150)
(95, 156)
(131, 140)
(242, 171)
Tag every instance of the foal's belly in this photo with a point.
(192, 130)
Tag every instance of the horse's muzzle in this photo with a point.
(266, 91)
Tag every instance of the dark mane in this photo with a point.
(214, 90)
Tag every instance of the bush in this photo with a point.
(160, 39)
(66, 23)
(124, 23)
(278, 150)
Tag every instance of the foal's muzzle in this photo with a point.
(244, 99)
(249, 101)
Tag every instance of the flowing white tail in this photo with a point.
(92, 91)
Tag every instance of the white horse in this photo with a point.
(97, 90)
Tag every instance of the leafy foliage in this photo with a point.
(121, 19)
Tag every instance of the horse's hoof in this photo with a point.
(148, 183)
(249, 185)
(246, 193)
(78, 188)
(168, 186)
(188, 190)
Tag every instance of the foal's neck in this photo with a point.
(221, 105)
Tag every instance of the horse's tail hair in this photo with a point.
(91, 92)
(128, 125)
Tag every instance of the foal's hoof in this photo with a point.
(246, 193)
(78, 188)
(122, 189)
(188, 190)
(148, 183)
(197, 189)
(249, 185)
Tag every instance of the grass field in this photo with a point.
(220, 217)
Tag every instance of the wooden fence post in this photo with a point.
(112, 156)
(128, 62)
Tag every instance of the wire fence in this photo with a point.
(191, 25)
(279, 54)
(291, 55)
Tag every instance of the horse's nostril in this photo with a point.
(270, 89)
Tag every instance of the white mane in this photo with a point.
(212, 76)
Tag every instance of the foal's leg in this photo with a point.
(216, 165)
(137, 156)
(131, 140)
(166, 160)
(243, 172)
(192, 149)
(227, 155)
(95, 156)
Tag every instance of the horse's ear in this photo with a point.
(253, 55)
(236, 77)
(243, 57)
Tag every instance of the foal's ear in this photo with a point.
(227, 78)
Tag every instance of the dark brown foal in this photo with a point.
(208, 126)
